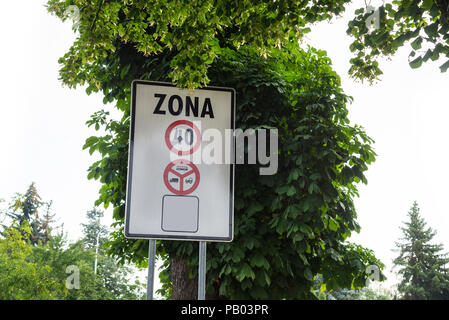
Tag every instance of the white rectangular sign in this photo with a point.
(180, 186)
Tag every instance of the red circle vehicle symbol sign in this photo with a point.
(183, 137)
(181, 177)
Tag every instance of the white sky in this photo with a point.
(42, 124)
(42, 128)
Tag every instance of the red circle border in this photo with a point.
(171, 147)
(195, 171)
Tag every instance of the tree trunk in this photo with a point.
(184, 288)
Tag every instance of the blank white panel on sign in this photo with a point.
(180, 213)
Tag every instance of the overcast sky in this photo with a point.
(42, 124)
(42, 128)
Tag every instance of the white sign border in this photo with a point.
(130, 162)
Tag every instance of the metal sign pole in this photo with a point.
(151, 264)
(202, 272)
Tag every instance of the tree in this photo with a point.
(25, 208)
(95, 234)
(115, 277)
(423, 268)
(288, 227)
(39, 270)
(422, 22)
(110, 283)
(20, 278)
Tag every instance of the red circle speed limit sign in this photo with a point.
(183, 137)
(181, 177)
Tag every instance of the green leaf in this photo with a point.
(416, 63)
(291, 191)
(294, 210)
(259, 260)
(444, 66)
(315, 176)
(427, 4)
(254, 208)
(305, 229)
(246, 272)
(435, 55)
(427, 55)
(399, 41)
(333, 225)
(90, 141)
(434, 10)
(250, 243)
(136, 245)
(282, 189)
(313, 187)
(267, 278)
(238, 254)
(335, 255)
(417, 43)
(294, 175)
(308, 274)
(432, 30)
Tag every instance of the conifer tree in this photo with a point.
(46, 223)
(93, 229)
(24, 208)
(424, 269)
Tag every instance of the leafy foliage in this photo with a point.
(39, 270)
(20, 278)
(194, 31)
(423, 268)
(422, 22)
(110, 283)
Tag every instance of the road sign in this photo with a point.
(172, 193)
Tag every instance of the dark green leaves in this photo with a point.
(403, 21)
(431, 30)
(259, 261)
(291, 191)
(427, 4)
(314, 188)
(246, 272)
